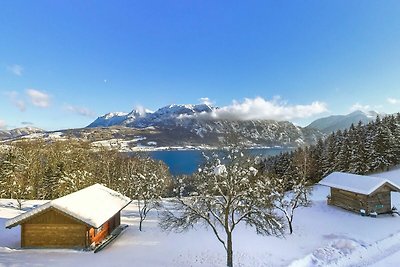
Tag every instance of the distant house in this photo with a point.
(74, 221)
(358, 192)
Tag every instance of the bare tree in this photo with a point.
(288, 201)
(145, 180)
(149, 185)
(228, 191)
(291, 189)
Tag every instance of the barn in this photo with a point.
(359, 192)
(77, 220)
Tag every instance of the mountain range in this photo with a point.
(340, 122)
(192, 126)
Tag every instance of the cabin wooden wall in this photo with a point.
(379, 202)
(348, 200)
(115, 221)
(53, 229)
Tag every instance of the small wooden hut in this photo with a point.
(77, 220)
(359, 192)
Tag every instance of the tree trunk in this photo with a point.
(141, 215)
(289, 220)
(229, 251)
(290, 227)
(140, 224)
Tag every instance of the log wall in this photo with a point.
(379, 201)
(53, 229)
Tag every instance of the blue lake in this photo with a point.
(188, 161)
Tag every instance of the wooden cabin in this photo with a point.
(359, 192)
(77, 220)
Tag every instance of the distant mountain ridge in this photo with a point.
(190, 126)
(194, 125)
(18, 132)
(341, 122)
(145, 119)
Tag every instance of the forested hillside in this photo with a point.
(361, 149)
(34, 169)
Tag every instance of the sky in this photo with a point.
(63, 63)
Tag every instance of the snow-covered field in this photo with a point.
(323, 236)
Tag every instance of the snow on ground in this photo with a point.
(323, 236)
(117, 143)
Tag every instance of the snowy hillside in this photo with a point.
(162, 116)
(110, 119)
(186, 125)
(323, 236)
(341, 122)
(18, 132)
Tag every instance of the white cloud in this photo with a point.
(16, 100)
(80, 111)
(38, 98)
(393, 101)
(15, 69)
(358, 106)
(262, 109)
(206, 100)
(3, 124)
(142, 110)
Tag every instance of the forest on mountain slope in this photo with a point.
(361, 149)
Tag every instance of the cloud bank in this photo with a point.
(206, 100)
(38, 98)
(363, 108)
(263, 109)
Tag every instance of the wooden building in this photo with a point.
(77, 220)
(358, 192)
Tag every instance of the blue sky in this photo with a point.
(63, 63)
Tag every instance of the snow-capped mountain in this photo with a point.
(341, 122)
(18, 132)
(110, 119)
(145, 119)
(194, 125)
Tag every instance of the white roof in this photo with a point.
(93, 205)
(355, 183)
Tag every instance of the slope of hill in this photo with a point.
(341, 122)
(323, 236)
(18, 132)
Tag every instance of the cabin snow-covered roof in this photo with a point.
(93, 205)
(361, 184)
